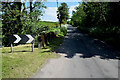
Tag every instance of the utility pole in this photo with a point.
(57, 3)
(57, 11)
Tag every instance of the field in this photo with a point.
(46, 23)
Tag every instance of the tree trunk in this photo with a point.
(30, 9)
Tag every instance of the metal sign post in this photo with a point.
(11, 48)
(32, 47)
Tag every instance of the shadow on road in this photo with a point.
(76, 43)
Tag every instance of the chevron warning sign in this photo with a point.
(21, 38)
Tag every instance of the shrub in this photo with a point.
(96, 31)
(63, 29)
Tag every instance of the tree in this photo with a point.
(36, 9)
(17, 19)
(99, 19)
(63, 14)
(78, 16)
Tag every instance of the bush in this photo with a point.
(59, 31)
(83, 29)
(96, 31)
(63, 29)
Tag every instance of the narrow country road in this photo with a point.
(81, 57)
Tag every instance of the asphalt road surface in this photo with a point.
(81, 57)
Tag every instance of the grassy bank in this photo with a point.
(22, 63)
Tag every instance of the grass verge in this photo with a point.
(22, 63)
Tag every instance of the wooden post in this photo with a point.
(32, 47)
(11, 47)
